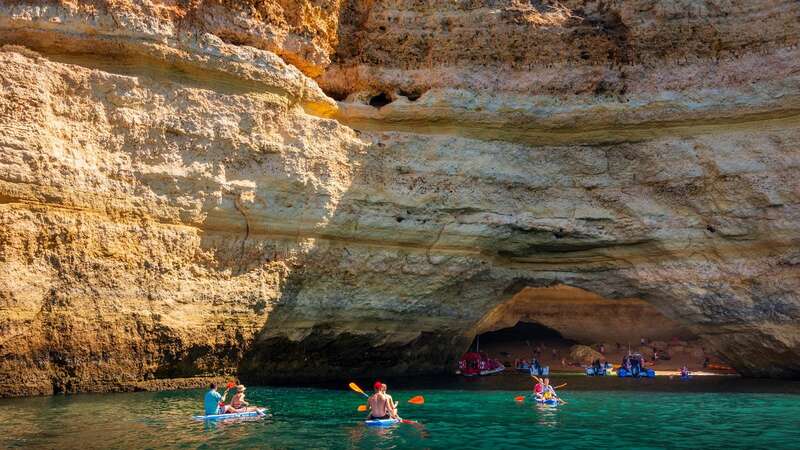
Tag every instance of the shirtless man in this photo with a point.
(378, 404)
(391, 402)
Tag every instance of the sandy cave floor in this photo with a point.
(555, 351)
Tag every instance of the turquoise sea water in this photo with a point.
(488, 419)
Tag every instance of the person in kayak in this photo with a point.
(213, 402)
(390, 401)
(538, 388)
(542, 387)
(238, 403)
(548, 392)
(379, 403)
(545, 391)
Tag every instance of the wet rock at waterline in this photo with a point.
(241, 189)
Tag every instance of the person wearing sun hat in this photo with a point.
(238, 402)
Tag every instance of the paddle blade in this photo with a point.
(520, 398)
(355, 387)
(560, 386)
(362, 408)
(230, 385)
(417, 400)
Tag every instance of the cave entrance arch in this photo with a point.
(549, 321)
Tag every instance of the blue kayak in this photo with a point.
(381, 422)
(550, 401)
(257, 413)
(646, 373)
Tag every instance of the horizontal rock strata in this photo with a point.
(298, 191)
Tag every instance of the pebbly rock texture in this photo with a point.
(180, 198)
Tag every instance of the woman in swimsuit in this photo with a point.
(238, 403)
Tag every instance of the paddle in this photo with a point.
(417, 400)
(355, 387)
(228, 387)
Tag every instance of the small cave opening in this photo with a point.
(337, 95)
(412, 96)
(567, 328)
(380, 100)
(521, 339)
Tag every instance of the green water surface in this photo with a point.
(304, 418)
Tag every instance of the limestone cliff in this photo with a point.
(314, 189)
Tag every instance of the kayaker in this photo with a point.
(378, 404)
(390, 401)
(541, 387)
(213, 399)
(547, 390)
(238, 403)
(538, 389)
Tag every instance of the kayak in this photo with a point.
(381, 422)
(647, 373)
(549, 401)
(257, 413)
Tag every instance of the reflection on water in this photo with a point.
(449, 419)
(547, 415)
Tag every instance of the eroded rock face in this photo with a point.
(180, 199)
(583, 316)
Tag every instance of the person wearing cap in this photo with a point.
(379, 404)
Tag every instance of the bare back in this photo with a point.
(378, 405)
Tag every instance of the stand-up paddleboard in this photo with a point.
(381, 422)
(257, 413)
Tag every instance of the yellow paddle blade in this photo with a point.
(417, 400)
(355, 387)
(520, 398)
(362, 408)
